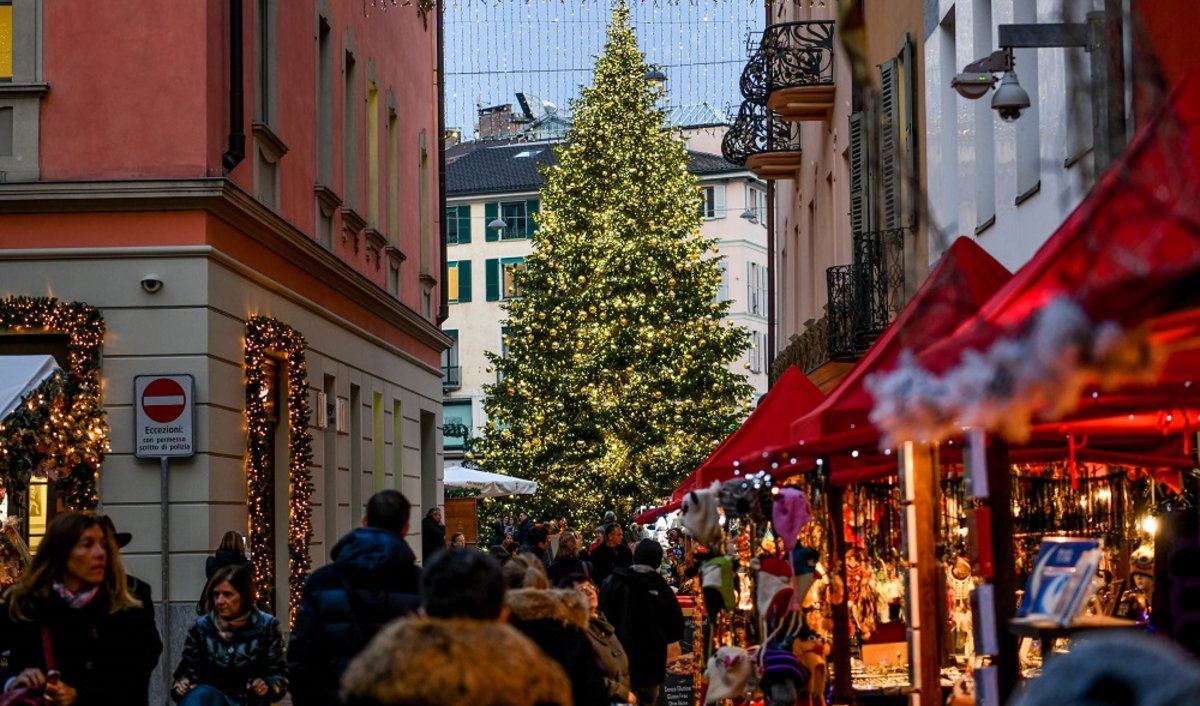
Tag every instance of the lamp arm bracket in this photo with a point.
(1063, 34)
(996, 62)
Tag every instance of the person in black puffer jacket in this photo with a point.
(372, 580)
(557, 620)
(233, 655)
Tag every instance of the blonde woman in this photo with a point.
(75, 593)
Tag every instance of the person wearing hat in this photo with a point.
(646, 616)
(141, 590)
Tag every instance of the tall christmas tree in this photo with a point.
(615, 384)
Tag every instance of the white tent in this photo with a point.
(489, 485)
(20, 375)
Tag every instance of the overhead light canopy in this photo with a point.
(498, 224)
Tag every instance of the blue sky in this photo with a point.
(547, 48)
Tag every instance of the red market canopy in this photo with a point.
(790, 397)
(963, 279)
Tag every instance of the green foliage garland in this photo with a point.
(616, 383)
(59, 431)
(265, 336)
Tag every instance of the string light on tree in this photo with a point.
(613, 386)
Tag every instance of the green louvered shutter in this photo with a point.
(464, 224)
(492, 272)
(531, 211)
(464, 281)
(490, 234)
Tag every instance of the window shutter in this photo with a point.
(531, 209)
(909, 111)
(858, 175)
(490, 210)
(464, 281)
(889, 143)
(464, 224)
(492, 275)
(719, 200)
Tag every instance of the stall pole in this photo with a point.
(1005, 577)
(164, 510)
(843, 688)
(927, 604)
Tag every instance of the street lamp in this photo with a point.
(498, 224)
(749, 215)
(655, 77)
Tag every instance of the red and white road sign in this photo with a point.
(163, 419)
(163, 400)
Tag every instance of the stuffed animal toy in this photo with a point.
(789, 513)
(699, 516)
(812, 655)
(748, 496)
(728, 674)
(804, 565)
(717, 584)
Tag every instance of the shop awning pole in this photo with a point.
(926, 597)
(1005, 577)
(843, 685)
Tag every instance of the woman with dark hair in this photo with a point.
(231, 552)
(75, 594)
(233, 655)
(613, 660)
(458, 540)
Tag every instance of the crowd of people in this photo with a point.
(540, 618)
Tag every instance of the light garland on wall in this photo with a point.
(59, 432)
(265, 336)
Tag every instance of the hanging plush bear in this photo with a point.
(812, 655)
(728, 674)
(699, 516)
(748, 496)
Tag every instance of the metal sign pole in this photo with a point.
(166, 574)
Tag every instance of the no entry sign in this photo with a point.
(163, 424)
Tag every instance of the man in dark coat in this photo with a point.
(433, 534)
(537, 543)
(373, 579)
(647, 618)
(141, 591)
(611, 554)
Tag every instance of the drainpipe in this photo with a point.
(237, 133)
(771, 316)
(444, 299)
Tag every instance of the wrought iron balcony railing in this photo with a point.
(763, 142)
(864, 298)
(789, 55)
(451, 377)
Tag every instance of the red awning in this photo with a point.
(963, 279)
(790, 397)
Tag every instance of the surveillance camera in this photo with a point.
(151, 284)
(1010, 100)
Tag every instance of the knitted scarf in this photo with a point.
(76, 600)
(226, 628)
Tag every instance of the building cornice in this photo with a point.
(226, 201)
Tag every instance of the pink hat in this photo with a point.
(789, 514)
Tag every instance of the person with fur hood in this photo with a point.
(647, 618)
(459, 652)
(557, 620)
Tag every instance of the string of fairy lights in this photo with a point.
(60, 431)
(493, 50)
(269, 338)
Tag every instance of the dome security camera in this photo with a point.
(1010, 100)
(152, 284)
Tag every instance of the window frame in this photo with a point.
(511, 231)
(518, 265)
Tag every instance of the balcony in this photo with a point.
(791, 70)
(864, 298)
(451, 377)
(763, 142)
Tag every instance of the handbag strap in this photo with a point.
(47, 649)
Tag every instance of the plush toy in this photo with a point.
(748, 496)
(699, 516)
(804, 565)
(717, 584)
(774, 588)
(728, 674)
(812, 655)
(789, 513)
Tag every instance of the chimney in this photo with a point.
(494, 121)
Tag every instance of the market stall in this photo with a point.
(462, 513)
